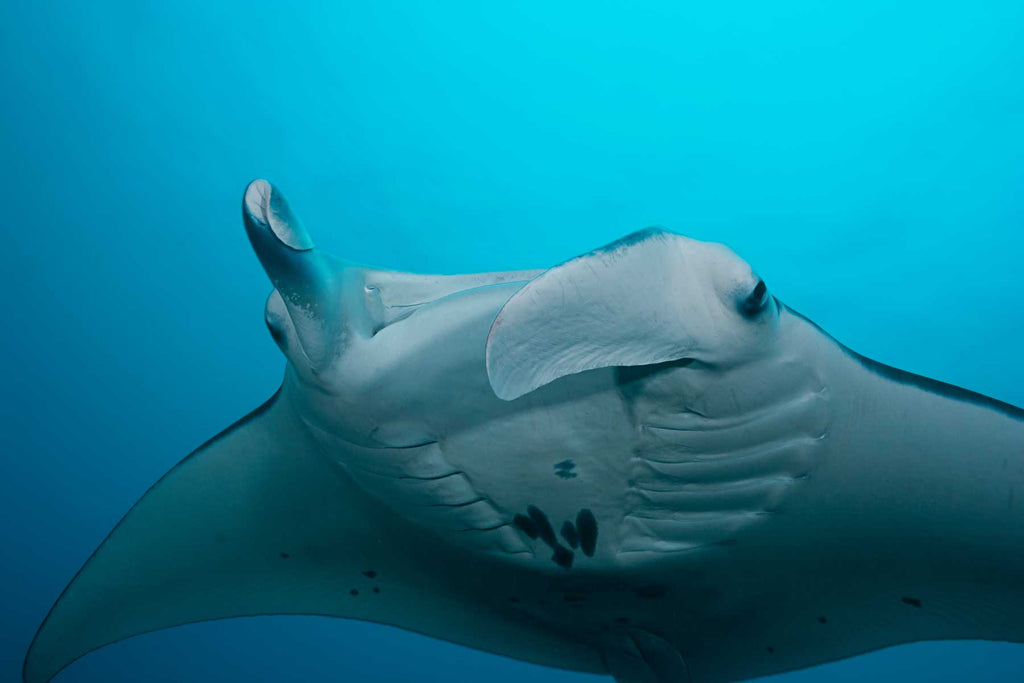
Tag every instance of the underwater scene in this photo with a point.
(486, 397)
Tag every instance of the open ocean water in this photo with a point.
(866, 157)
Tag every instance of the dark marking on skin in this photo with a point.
(629, 240)
(353, 592)
(535, 524)
(625, 374)
(913, 602)
(376, 589)
(933, 386)
(621, 620)
(540, 521)
(570, 535)
(370, 574)
(563, 557)
(284, 555)
(771, 650)
(586, 525)
(526, 525)
(565, 469)
(651, 591)
(822, 620)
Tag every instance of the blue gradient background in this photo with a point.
(868, 159)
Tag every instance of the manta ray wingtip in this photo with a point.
(38, 669)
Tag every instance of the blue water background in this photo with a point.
(867, 157)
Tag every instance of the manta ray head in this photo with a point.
(371, 339)
(374, 355)
(648, 298)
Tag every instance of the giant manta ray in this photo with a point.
(638, 462)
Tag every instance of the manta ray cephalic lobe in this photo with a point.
(638, 462)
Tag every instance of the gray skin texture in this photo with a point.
(638, 463)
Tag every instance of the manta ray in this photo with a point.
(637, 463)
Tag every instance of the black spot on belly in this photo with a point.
(771, 650)
(563, 557)
(651, 591)
(586, 525)
(535, 524)
(621, 620)
(526, 525)
(353, 592)
(370, 574)
(570, 535)
(565, 469)
(822, 620)
(284, 556)
(543, 526)
(913, 602)
(376, 589)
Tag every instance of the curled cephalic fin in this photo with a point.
(651, 297)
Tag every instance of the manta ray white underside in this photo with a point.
(637, 462)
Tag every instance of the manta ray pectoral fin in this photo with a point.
(232, 530)
(651, 297)
(258, 521)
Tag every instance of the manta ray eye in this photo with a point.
(757, 300)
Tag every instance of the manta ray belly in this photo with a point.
(612, 468)
(540, 482)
